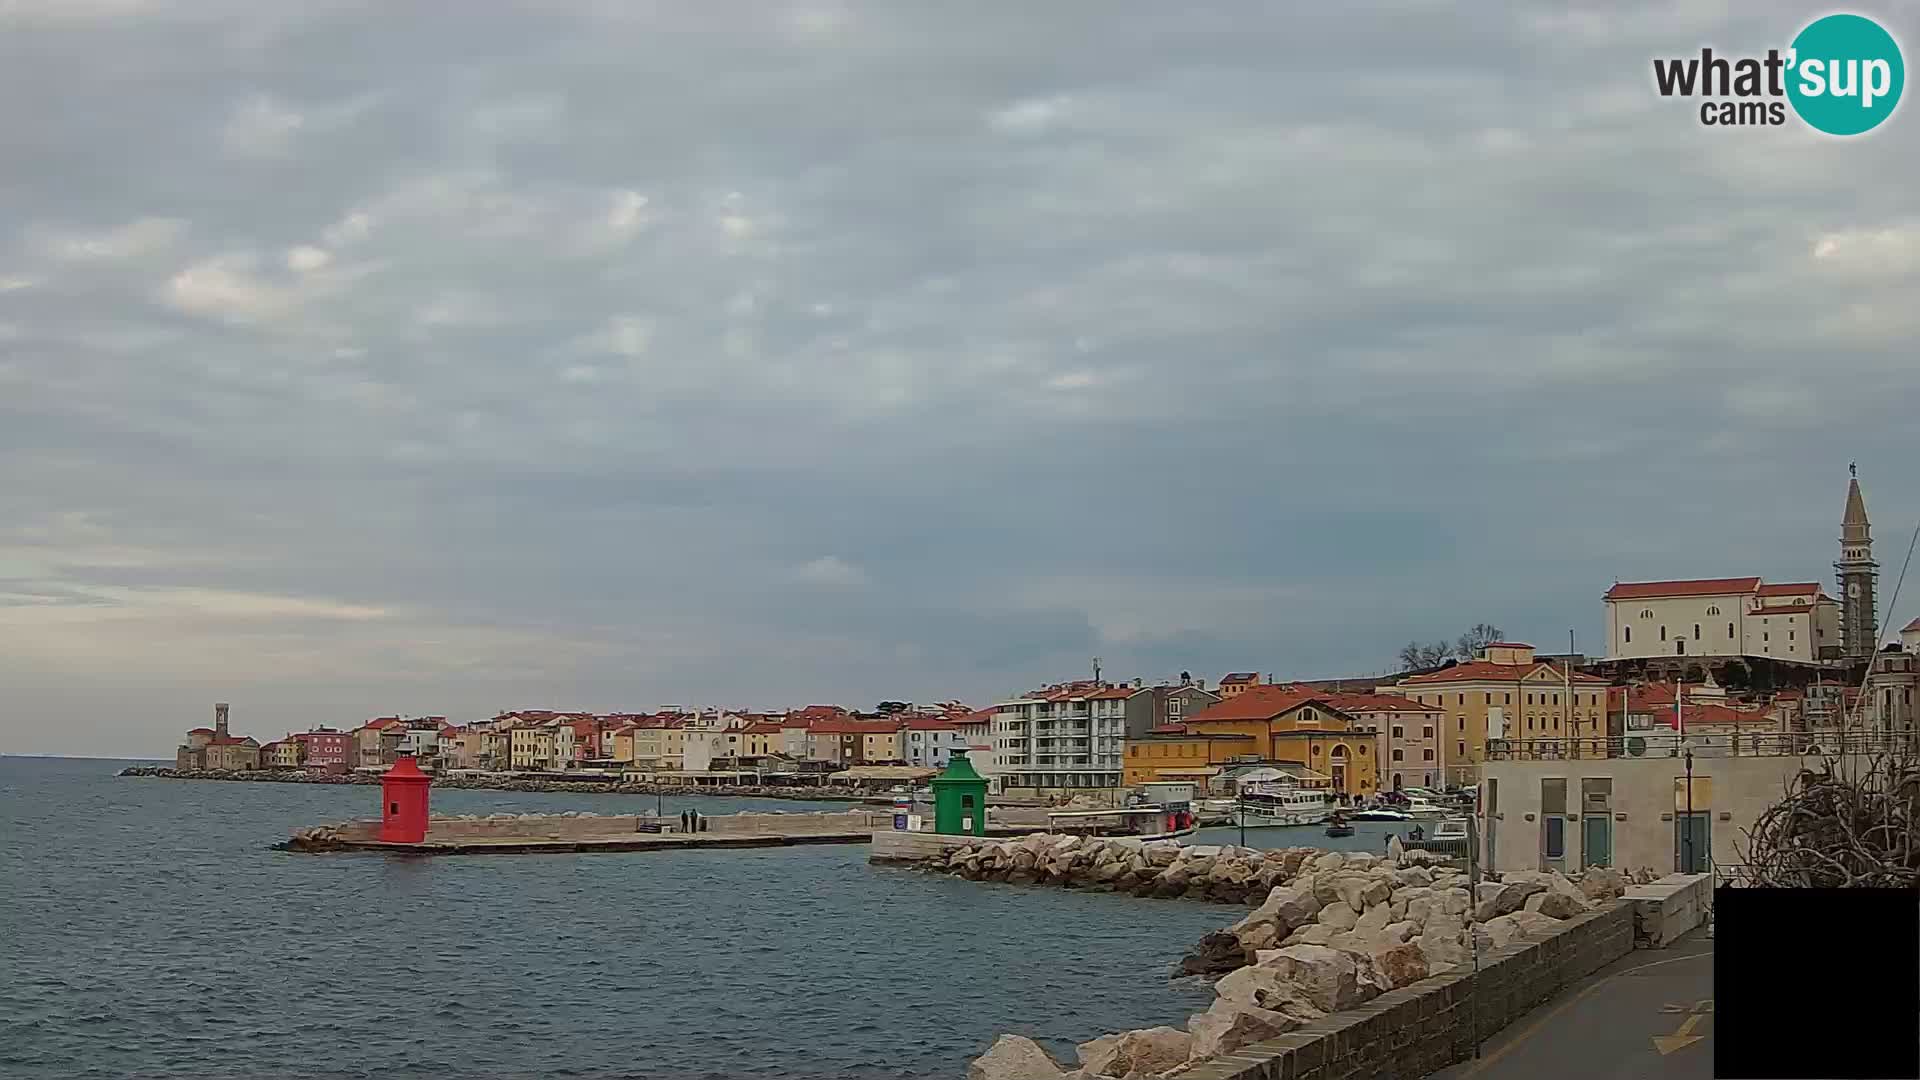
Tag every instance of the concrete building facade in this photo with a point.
(1720, 618)
(1506, 694)
(1065, 739)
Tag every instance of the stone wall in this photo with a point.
(1670, 906)
(1431, 1024)
(584, 826)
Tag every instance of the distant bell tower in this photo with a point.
(220, 720)
(1857, 572)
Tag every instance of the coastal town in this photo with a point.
(1737, 665)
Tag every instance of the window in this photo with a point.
(1646, 613)
(1763, 635)
(1398, 731)
(1427, 754)
(1696, 631)
(1460, 750)
(1460, 723)
(1729, 631)
(1529, 723)
(1397, 755)
(1629, 632)
(1713, 609)
(1789, 635)
(1463, 699)
(1663, 633)
(1556, 837)
(1509, 700)
(1426, 732)
(1556, 699)
(1489, 697)
(1529, 699)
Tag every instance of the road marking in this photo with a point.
(1681, 1039)
(1528, 1031)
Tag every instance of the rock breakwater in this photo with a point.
(1331, 930)
(823, 793)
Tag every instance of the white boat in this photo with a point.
(1263, 805)
(1379, 813)
(1419, 807)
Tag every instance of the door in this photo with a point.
(1596, 840)
(1555, 842)
(1692, 842)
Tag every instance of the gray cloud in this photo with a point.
(354, 360)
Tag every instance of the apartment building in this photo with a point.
(1062, 740)
(1506, 694)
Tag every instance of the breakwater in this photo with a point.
(820, 793)
(1332, 931)
(577, 831)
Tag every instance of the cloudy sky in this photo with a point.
(359, 358)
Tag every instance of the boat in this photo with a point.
(1266, 805)
(1339, 827)
(1380, 813)
(1419, 807)
(1143, 822)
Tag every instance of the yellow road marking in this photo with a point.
(1681, 1039)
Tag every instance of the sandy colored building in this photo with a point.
(1721, 618)
(1506, 694)
(1270, 724)
(216, 747)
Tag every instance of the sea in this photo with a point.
(147, 929)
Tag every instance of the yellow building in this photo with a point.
(619, 745)
(286, 754)
(880, 746)
(523, 745)
(761, 739)
(662, 747)
(1507, 694)
(1259, 724)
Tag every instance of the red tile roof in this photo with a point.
(1911, 627)
(985, 716)
(1508, 645)
(209, 731)
(1647, 590)
(1113, 693)
(1258, 703)
(854, 727)
(1358, 703)
(930, 723)
(1488, 671)
(1168, 729)
(1797, 588)
(1238, 677)
(764, 727)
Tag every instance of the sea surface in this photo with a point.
(146, 930)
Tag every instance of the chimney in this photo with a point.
(220, 719)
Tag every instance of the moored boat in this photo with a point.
(1338, 826)
(1265, 806)
(1380, 813)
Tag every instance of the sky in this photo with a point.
(359, 358)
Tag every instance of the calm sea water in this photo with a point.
(147, 931)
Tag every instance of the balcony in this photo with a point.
(1703, 744)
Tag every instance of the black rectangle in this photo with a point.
(1816, 983)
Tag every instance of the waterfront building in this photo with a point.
(1064, 740)
(1406, 737)
(761, 739)
(216, 747)
(284, 753)
(1542, 811)
(566, 743)
(1265, 724)
(660, 743)
(930, 742)
(377, 742)
(325, 748)
(1910, 637)
(1506, 693)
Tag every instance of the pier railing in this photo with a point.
(1702, 744)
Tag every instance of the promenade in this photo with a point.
(1646, 1016)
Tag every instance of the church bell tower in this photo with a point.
(1857, 573)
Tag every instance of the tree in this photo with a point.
(1475, 640)
(888, 708)
(1416, 656)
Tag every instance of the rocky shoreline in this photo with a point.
(1332, 930)
(826, 793)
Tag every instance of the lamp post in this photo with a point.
(1686, 832)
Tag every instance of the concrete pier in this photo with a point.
(545, 833)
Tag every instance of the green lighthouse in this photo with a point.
(960, 799)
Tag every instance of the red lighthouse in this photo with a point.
(403, 803)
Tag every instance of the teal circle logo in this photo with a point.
(1846, 74)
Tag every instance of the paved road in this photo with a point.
(1615, 1024)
